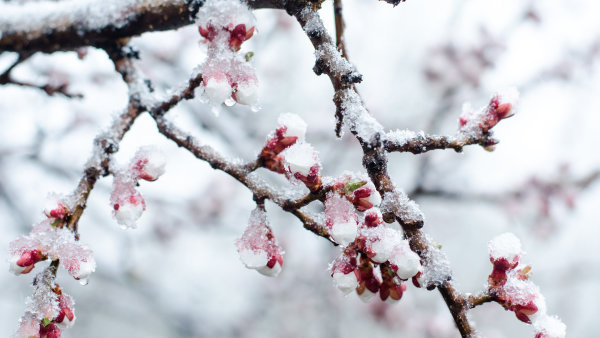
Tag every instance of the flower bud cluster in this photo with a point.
(48, 241)
(225, 25)
(509, 283)
(148, 164)
(48, 311)
(385, 257)
(286, 152)
(258, 248)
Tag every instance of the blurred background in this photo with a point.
(178, 274)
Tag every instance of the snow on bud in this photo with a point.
(405, 262)
(230, 19)
(238, 35)
(292, 125)
(291, 129)
(66, 315)
(217, 88)
(128, 208)
(381, 243)
(549, 327)
(78, 260)
(246, 92)
(29, 327)
(302, 162)
(258, 248)
(502, 105)
(343, 272)
(505, 254)
(300, 158)
(24, 252)
(341, 219)
(57, 210)
(148, 163)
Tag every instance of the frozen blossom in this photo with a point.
(48, 309)
(292, 126)
(509, 282)
(506, 246)
(258, 248)
(343, 272)
(225, 25)
(341, 219)
(358, 189)
(148, 164)
(300, 158)
(46, 241)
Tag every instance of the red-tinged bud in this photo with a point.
(59, 212)
(49, 331)
(28, 258)
(312, 180)
(209, 33)
(415, 279)
(524, 311)
(504, 110)
(238, 35)
(373, 218)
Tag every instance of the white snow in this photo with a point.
(550, 327)
(247, 93)
(344, 233)
(294, 125)
(253, 259)
(346, 283)
(300, 157)
(217, 89)
(397, 202)
(506, 246)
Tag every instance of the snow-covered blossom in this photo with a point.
(302, 162)
(127, 202)
(359, 190)
(509, 283)
(340, 219)
(148, 163)
(226, 24)
(291, 129)
(502, 105)
(258, 248)
(343, 272)
(47, 309)
(46, 241)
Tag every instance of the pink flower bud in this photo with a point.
(148, 163)
(345, 278)
(501, 106)
(209, 33)
(128, 208)
(341, 219)
(258, 248)
(550, 327)
(373, 218)
(246, 92)
(217, 87)
(302, 162)
(66, 315)
(58, 211)
(366, 197)
(405, 262)
(368, 282)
